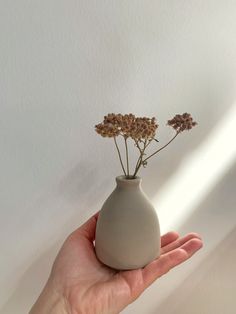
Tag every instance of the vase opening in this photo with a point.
(128, 178)
(122, 181)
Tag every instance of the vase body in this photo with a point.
(127, 232)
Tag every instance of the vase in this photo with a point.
(127, 232)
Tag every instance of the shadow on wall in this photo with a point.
(27, 290)
(76, 189)
(83, 182)
(211, 287)
(216, 215)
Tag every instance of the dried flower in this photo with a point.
(142, 130)
(182, 122)
(107, 130)
(128, 126)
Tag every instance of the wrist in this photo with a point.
(50, 302)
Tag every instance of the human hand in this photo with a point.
(80, 284)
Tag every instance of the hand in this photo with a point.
(80, 284)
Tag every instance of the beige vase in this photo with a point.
(127, 232)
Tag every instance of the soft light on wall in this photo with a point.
(198, 174)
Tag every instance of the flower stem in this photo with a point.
(119, 156)
(140, 161)
(157, 151)
(140, 151)
(127, 155)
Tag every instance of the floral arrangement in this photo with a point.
(142, 131)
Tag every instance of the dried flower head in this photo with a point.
(107, 130)
(182, 122)
(109, 127)
(128, 126)
(144, 128)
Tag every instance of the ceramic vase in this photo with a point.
(127, 232)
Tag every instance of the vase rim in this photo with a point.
(122, 178)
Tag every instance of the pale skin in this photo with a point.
(80, 284)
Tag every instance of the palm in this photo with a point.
(91, 287)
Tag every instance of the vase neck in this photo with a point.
(123, 182)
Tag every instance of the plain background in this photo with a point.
(63, 66)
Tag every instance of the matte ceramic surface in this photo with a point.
(128, 232)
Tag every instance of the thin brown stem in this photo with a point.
(140, 161)
(161, 147)
(149, 142)
(119, 156)
(140, 151)
(127, 155)
(137, 164)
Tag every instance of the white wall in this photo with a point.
(63, 65)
